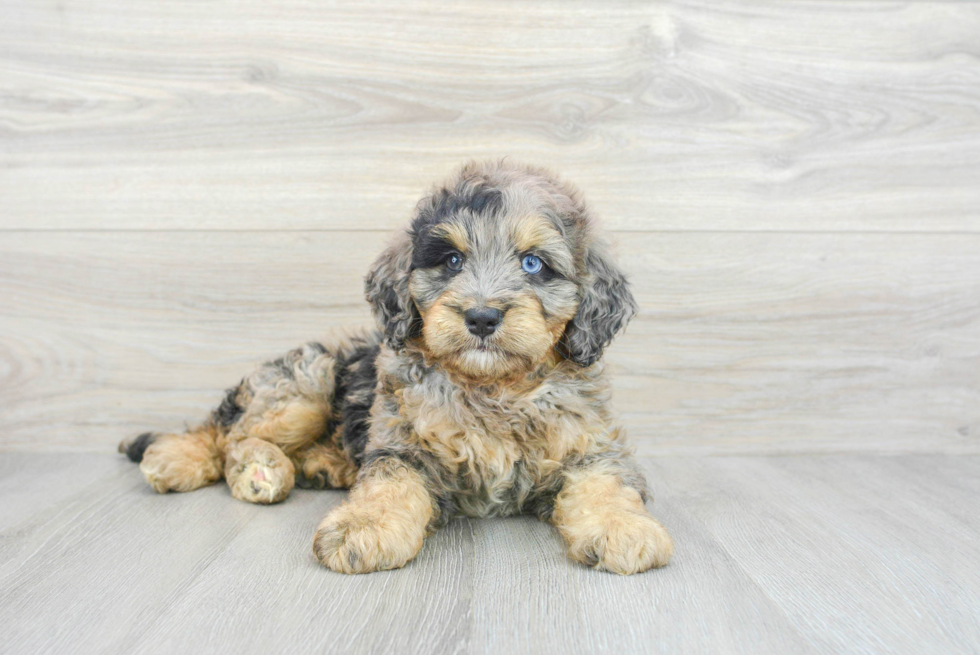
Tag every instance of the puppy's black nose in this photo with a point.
(482, 321)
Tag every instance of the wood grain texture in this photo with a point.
(745, 342)
(187, 188)
(828, 116)
(832, 554)
(863, 554)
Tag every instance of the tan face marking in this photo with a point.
(533, 233)
(524, 339)
(455, 234)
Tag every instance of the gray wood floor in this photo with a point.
(187, 188)
(817, 554)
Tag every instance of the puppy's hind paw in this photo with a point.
(262, 484)
(258, 472)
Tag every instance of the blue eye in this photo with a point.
(531, 264)
(455, 262)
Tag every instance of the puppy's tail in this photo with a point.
(134, 448)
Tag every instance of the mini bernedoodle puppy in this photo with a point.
(481, 394)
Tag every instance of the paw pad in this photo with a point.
(261, 483)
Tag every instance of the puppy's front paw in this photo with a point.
(350, 540)
(624, 543)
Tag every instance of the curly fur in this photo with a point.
(426, 418)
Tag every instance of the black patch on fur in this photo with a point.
(388, 299)
(429, 250)
(356, 378)
(447, 509)
(139, 445)
(229, 411)
(479, 199)
(284, 368)
(445, 203)
(318, 480)
(485, 200)
(542, 502)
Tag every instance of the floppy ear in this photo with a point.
(606, 307)
(386, 288)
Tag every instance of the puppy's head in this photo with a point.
(499, 270)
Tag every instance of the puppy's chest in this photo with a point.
(485, 429)
(492, 444)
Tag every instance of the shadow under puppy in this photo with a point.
(480, 395)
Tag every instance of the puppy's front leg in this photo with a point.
(606, 525)
(381, 526)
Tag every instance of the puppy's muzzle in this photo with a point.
(482, 321)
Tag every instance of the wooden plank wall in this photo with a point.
(189, 187)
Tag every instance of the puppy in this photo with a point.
(480, 395)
